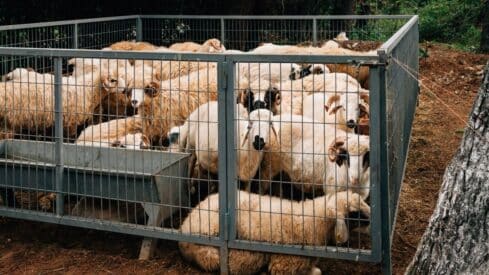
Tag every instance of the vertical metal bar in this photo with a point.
(232, 178)
(314, 32)
(75, 36)
(375, 163)
(383, 168)
(222, 166)
(139, 29)
(223, 32)
(58, 131)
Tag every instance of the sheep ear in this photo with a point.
(334, 148)
(365, 97)
(331, 100)
(131, 61)
(335, 109)
(157, 76)
(317, 70)
(364, 111)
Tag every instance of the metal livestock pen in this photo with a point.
(45, 177)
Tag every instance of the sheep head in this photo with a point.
(213, 45)
(137, 95)
(348, 107)
(260, 125)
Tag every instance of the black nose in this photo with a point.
(259, 105)
(351, 123)
(134, 102)
(259, 143)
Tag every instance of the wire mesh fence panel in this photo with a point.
(246, 34)
(401, 95)
(166, 31)
(98, 35)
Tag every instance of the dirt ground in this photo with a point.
(452, 76)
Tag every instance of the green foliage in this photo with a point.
(452, 21)
(449, 21)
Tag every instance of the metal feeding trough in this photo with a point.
(155, 179)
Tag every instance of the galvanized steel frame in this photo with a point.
(383, 208)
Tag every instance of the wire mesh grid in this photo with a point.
(247, 151)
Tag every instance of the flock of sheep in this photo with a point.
(309, 121)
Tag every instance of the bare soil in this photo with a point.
(447, 74)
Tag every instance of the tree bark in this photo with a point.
(484, 46)
(457, 238)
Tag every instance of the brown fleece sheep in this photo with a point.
(212, 45)
(169, 103)
(265, 218)
(30, 106)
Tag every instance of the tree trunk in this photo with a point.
(457, 238)
(484, 46)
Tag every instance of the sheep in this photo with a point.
(300, 71)
(272, 72)
(169, 103)
(301, 151)
(131, 46)
(361, 73)
(199, 135)
(344, 110)
(28, 75)
(265, 218)
(212, 45)
(31, 106)
(126, 133)
(204, 81)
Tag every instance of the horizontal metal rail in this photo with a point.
(113, 226)
(277, 17)
(179, 56)
(66, 22)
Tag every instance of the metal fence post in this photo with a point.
(139, 29)
(223, 37)
(385, 204)
(75, 36)
(314, 31)
(58, 131)
(222, 165)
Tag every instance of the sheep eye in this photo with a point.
(366, 160)
(113, 80)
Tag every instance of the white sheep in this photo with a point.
(124, 133)
(343, 110)
(316, 156)
(199, 136)
(30, 107)
(212, 45)
(265, 218)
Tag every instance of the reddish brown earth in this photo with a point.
(452, 76)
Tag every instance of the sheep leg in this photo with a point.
(288, 264)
